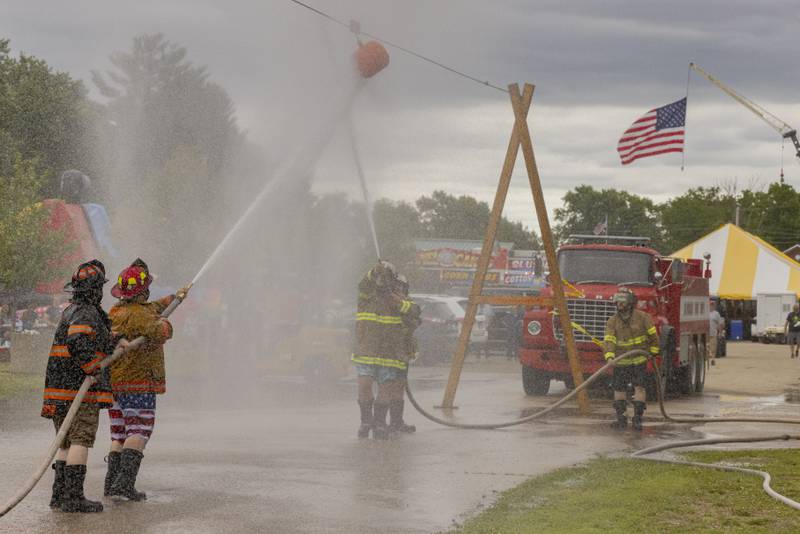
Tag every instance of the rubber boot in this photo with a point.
(622, 420)
(74, 499)
(123, 485)
(113, 460)
(58, 484)
(366, 418)
(638, 411)
(379, 428)
(396, 423)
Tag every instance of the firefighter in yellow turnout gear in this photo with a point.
(627, 330)
(378, 354)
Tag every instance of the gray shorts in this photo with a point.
(793, 338)
(380, 373)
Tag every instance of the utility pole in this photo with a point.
(737, 214)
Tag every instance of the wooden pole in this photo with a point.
(520, 107)
(486, 251)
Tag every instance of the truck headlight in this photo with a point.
(534, 328)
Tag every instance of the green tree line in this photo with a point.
(770, 213)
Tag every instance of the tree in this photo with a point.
(159, 100)
(45, 116)
(175, 140)
(446, 216)
(26, 246)
(627, 214)
(772, 214)
(693, 214)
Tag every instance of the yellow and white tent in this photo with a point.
(743, 265)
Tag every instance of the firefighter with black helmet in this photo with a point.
(82, 341)
(626, 330)
(378, 354)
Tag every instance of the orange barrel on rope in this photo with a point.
(371, 58)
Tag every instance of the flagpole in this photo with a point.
(686, 117)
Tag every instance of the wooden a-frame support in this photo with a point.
(520, 135)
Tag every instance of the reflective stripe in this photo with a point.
(68, 395)
(385, 362)
(651, 330)
(80, 329)
(375, 318)
(612, 339)
(59, 351)
(633, 341)
(632, 361)
(92, 365)
(654, 350)
(405, 306)
(609, 355)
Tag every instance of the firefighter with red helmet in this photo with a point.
(136, 378)
(378, 354)
(82, 341)
(626, 330)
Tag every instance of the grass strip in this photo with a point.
(12, 384)
(612, 495)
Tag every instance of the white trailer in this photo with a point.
(771, 312)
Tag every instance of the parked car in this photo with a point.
(442, 318)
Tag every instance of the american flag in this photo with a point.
(659, 131)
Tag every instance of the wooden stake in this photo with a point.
(486, 251)
(520, 135)
(556, 284)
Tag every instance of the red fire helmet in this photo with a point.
(131, 281)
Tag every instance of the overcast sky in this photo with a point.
(597, 66)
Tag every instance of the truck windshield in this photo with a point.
(604, 266)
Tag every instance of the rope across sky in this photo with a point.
(350, 27)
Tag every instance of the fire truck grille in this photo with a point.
(592, 315)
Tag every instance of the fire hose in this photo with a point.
(88, 382)
(641, 454)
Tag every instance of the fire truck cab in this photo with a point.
(673, 291)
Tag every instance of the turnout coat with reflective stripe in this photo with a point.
(81, 342)
(141, 370)
(636, 333)
(381, 337)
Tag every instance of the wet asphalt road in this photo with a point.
(289, 461)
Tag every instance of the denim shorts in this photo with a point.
(380, 373)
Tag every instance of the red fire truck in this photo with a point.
(673, 291)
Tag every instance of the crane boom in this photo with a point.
(786, 131)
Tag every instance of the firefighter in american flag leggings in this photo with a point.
(136, 378)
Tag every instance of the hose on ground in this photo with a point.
(642, 453)
(528, 418)
(767, 478)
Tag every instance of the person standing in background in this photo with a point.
(716, 329)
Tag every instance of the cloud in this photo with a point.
(597, 66)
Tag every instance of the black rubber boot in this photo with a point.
(638, 411)
(123, 485)
(366, 418)
(113, 460)
(622, 420)
(396, 423)
(58, 484)
(74, 499)
(379, 428)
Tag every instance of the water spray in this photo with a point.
(363, 182)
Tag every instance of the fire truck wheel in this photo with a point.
(688, 373)
(535, 382)
(700, 376)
